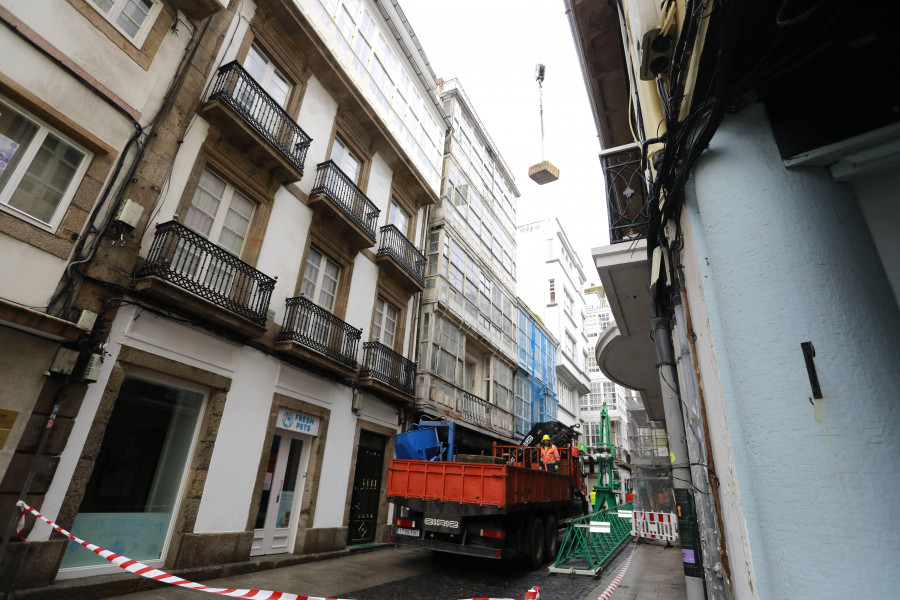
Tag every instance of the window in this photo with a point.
(320, 279)
(133, 491)
(132, 17)
(346, 160)
(264, 72)
(384, 329)
(39, 168)
(220, 212)
(398, 217)
(552, 291)
(567, 301)
(570, 346)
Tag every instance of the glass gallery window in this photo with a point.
(133, 491)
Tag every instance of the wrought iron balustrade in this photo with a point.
(395, 244)
(314, 327)
(382, 363)
(185, 258)
(332, 182)
(626, 194)
(236, 88)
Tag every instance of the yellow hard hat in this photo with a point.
(546, 437)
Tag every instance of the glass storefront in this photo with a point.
(133, 491)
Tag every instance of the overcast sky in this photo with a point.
(492, 47)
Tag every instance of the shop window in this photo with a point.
(39, 167)
(133, 491)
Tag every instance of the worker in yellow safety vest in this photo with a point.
(549, 455)
(593, 499)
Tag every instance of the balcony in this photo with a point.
(625, 353)
(186, 270)
(460, 404)
(313, 334)
(626, 193)
(200, 9)
(256, 125)
(336, 198)
(388, 372)
(401, 259)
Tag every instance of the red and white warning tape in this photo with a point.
(608, 592)
(123, 562)
(532, 594)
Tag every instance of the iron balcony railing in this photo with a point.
(394, 243)
(382, 363)
(314, 327)
(185, 258)
(332, 182)
(236, 88)
(626, 193)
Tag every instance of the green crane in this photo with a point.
(604, 491)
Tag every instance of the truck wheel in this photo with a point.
(552, 537)
(536, 544)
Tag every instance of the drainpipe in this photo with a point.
(678, 454)
(700, 454)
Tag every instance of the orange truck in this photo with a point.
(499, 506)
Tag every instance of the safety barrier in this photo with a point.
(591, 540)
(655, 525)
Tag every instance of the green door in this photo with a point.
(366, 489)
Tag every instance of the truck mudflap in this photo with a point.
(449, 547)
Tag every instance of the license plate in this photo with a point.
(407, 532)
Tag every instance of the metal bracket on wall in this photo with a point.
(809, 352)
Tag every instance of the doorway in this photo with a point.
(366, 489)
(276, 519)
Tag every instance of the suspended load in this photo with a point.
(544, 171)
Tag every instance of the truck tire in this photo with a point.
(536, 543)
(552, 537)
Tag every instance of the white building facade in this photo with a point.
(551, 278)
(254, 276)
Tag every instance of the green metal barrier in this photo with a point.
(584, 548)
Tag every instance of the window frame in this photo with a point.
(380, 325)
(320, 278)
(271, 70)
(116, 9)
(44, 128)
(219, 219)
(396, 205)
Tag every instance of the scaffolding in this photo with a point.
(535, 373)
(651, 467)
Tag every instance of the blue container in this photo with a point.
(417, 443)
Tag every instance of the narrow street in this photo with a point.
(392, 573)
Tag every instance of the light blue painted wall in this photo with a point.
(792, 261)
(735, 425)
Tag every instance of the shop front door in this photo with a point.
(282, 486)
(366, 489)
